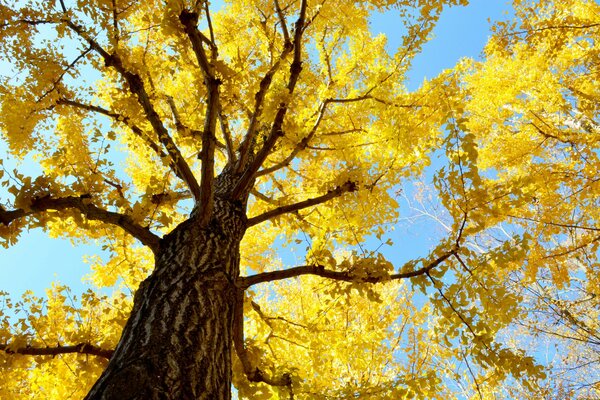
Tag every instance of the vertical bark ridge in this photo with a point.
(177, 343)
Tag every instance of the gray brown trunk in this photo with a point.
(177, 343)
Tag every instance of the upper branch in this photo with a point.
(90, 211)
(209, 140)
(300, 146)
(345, 276)
(276, 129)
(259, 97)
(136, 86)
(125, 120)
(81, 348)
(338, 191)
(284, 29)
(320, 114)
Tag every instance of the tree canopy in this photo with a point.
(161, 126)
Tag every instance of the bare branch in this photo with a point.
(81, 348)
(254, 374)
(84, 205)
(190, 22)
(338, 191)
(136, 86)
(345, 276)
(276, 129)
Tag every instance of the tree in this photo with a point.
(258, 122)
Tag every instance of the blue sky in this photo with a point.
(36, 260)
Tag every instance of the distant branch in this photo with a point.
(472, 374)
(338, 191)
(345, 276)
(552, 27)
(90, 211)
(558, 224)
(81, 348)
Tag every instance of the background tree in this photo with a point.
(532, 105)
(244, 126)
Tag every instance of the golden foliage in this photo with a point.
(520, 133)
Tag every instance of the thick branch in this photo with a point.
(345, 276)
(259, 97)
(284, 29)
(209, 140)
(254, 374)
(136, 86)
(276, 129)
(265, 83)
(338, 191)
(81, 348)
(90, 211)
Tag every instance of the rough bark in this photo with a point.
(177, 343)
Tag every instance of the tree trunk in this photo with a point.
(177, 343)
